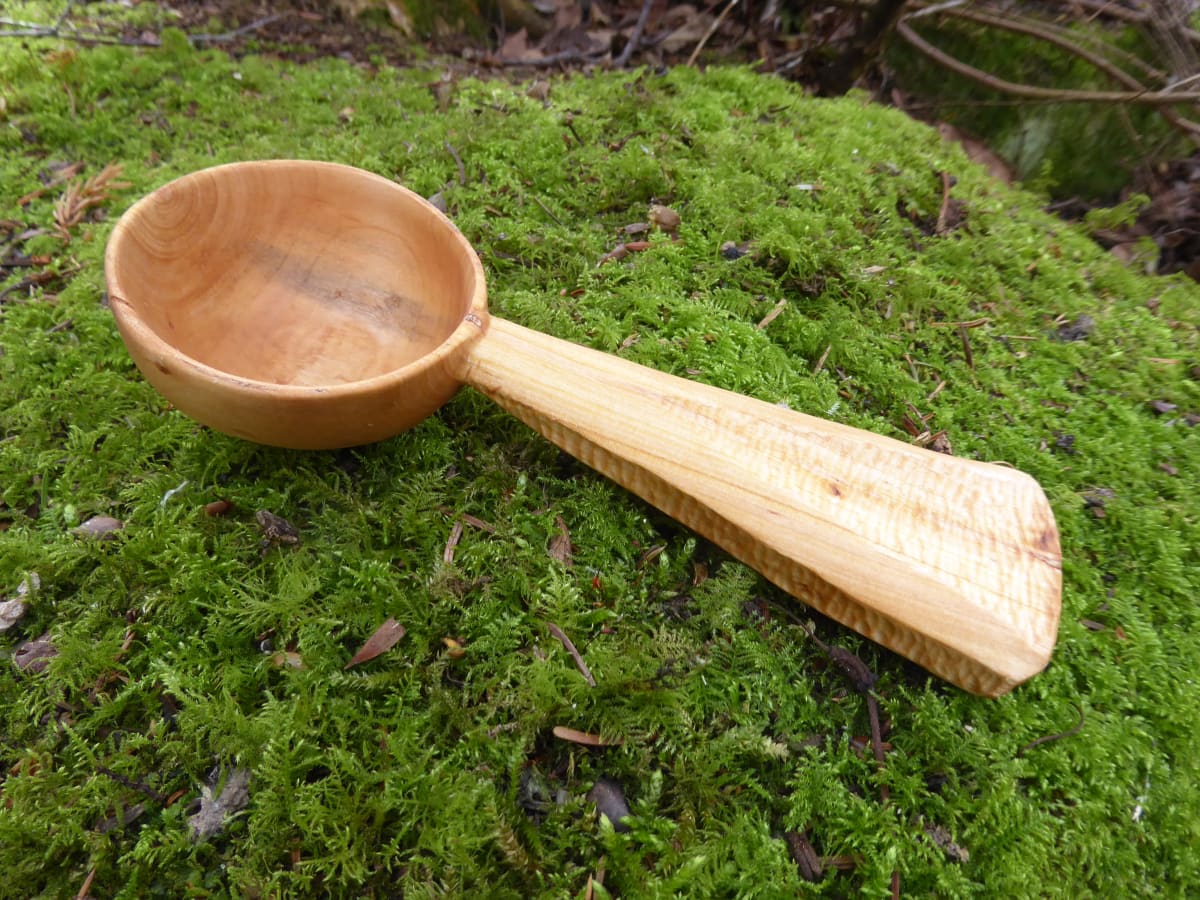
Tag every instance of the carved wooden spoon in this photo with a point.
(313, 305)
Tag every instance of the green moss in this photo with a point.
(411, 773)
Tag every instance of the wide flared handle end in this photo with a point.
(952, 563)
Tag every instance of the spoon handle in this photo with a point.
(950, 562)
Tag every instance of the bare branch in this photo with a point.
(237, 32)
(1050, 35)
(1109, 9)
(712, 29)
(64, 31)
(636, 38)
(1032, 92)
(1058, 38)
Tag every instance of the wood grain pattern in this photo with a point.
(313, 305)
(952, 563)
(302, 304)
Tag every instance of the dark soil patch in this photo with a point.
(1171, 218)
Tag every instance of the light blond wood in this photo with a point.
(301, 304)
(314, 305)
(952, 563)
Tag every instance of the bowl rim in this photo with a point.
(136, 333)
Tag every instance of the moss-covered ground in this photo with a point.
(182, 647)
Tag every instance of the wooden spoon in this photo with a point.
(312, 305)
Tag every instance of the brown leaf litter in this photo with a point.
(384, 639)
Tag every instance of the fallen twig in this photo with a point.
(575, 655)
(36, 280)
(139, 786)
(69, 33)
(1070, 732)
(86, 887)
(804, 856)
(970, 323)
(712, 29)
(462, 170)
(821, 361)
(862, 679)
(636, 37)
(966, 345)
(452, 542)
(1058, 37)
(774, 314)
(1032, 92)
(945, 208)
(237, 32)
(557, 221)
(877, 740)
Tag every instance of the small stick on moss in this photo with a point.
(237, 32)
(569, 121)
(596, 880)
(969, 323)
(966, 342)
(86, 887)
(804, 856)
(462, 170)
(772, 315)
(575, 654)
(476, 522)
(821, 362)
(38, 279)
(862, 679)
(139, 786)
(56, 31)
(945, 209)
(557, 221)
(452, 542)
(1070, 732)
(877, 741)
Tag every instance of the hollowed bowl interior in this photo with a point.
(304, 284)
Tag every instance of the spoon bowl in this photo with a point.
(302, 304)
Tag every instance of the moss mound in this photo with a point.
(187, 654)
